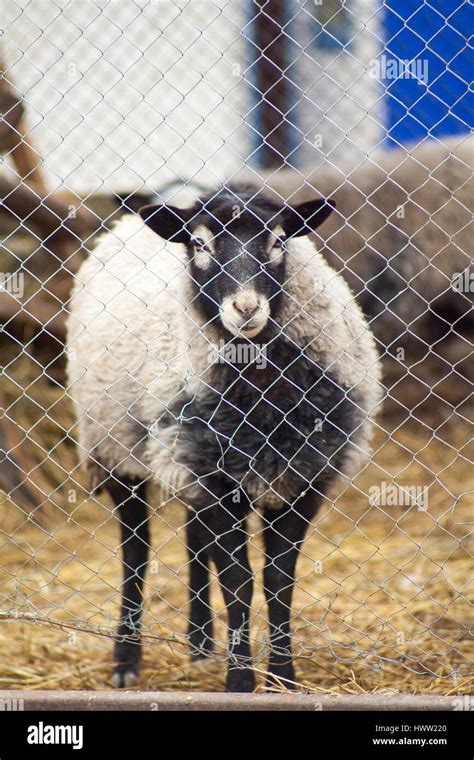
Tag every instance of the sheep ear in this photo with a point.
(301, 219)
(169, 222)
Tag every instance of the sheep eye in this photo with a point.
(276, 251)
(202, 253)
(200, 245)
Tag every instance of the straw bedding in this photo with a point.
(382, 601)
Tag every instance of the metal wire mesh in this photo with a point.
(108, 105)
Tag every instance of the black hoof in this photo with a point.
(240, 680)
(126, 664)
(124, 676)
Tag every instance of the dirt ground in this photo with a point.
(382, 600)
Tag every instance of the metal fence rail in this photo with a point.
(106, 105)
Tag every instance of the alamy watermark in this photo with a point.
(463, 703)
(12, 704)
(13, 283)
(388, 68)
(393, 495)
(41, 733)
(463, 282)
(239, 353)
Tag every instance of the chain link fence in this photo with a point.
(108, 105)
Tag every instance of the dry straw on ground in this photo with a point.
(382, 597)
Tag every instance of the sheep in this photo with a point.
(402, 239)
(158, 400)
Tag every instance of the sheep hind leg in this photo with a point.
(200, 628)
(223, 517)
(283, 535)
(130, 499)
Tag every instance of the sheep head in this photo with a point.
(236, 243)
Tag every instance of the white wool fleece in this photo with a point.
(135, 341)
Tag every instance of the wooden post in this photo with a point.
(13, 136)
(273, 86)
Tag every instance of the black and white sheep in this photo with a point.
(402, 239)
(155, 399)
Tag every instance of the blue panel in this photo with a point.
(436, 39)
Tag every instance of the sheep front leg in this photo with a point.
(226, 538)
(283, 535)
(129, 498)
(200, 616)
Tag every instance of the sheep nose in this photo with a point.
(246, 308)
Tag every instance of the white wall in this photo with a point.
(126, 92)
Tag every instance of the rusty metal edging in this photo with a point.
(184, 701)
